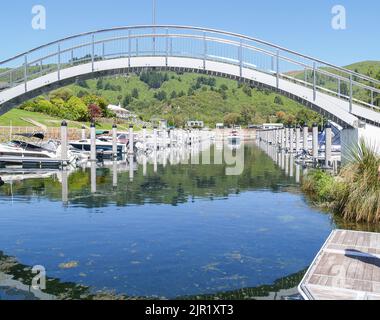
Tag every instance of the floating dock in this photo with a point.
(346, 268)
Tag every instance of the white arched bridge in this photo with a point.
(346, 97)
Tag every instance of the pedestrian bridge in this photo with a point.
(343, 96)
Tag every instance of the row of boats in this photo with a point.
(33, 148)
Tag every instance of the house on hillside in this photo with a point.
(120, 112)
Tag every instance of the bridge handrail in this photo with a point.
(210, 30)
(310, 66)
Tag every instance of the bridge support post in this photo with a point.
(131, 140)
(328, 145)
(315, 142)
(93, 142)
(64, 145)
(306, 138)
(298, 138)
(114, 141)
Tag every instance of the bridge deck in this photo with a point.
(347, 268)
(334, 106)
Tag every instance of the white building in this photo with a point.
(120, 112)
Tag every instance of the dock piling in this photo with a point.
(114, 141)
(64, 145)
(306, 138)
(93, 142)
(328, 145)
(131, 140)
(315, 142)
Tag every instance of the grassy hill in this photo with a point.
(182, 97)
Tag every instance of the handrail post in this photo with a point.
(72, 57)
(278, 69)
(103, 50)
(137, 47)
(129, 48)
(351, 93)
(305, 76)
(59, 62)
(339, 88)
(204, 50)
(167, 47)
(314, 81)
(241, 58)
(26, 72)
(93, 53)
(372, 98)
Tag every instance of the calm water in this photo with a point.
(186, 230)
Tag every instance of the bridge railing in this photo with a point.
(191, 42)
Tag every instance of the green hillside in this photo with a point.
(168, 95)
(182, 97)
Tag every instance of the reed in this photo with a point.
(355, 192)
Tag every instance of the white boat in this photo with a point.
(21, 152)
(101, 146)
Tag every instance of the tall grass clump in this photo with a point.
(355, 192)
(360, 200)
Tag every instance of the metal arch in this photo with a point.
(252, 83)
(207, 36)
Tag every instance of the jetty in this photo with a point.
(346, 268)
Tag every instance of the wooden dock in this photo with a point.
(346, 268)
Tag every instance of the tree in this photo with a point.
(64, 94)
(83, 83)
(100, 84)
(281, 116)
(278, 100)
(173, 95)
(135, 93)
(94, 111)
(246, 115)
(224, 87)
(161, 95)
(78, 109)
(232, 119)
(127, 100)
(247, 90)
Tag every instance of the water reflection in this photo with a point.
(142, 229)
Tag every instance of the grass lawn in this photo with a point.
(15, 118)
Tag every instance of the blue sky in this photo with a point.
(304, 26)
